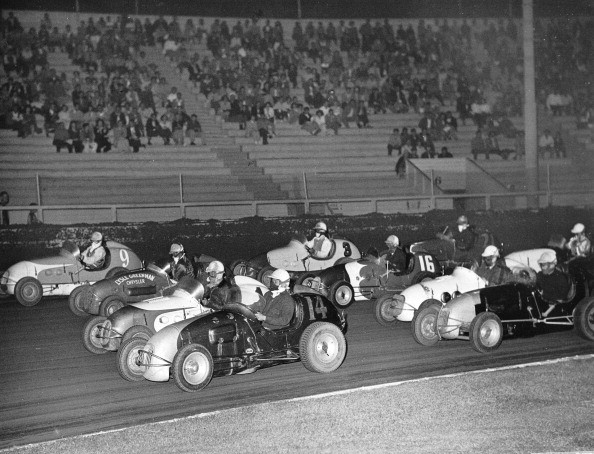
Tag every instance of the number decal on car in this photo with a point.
(347, 249)
(124, 257)
(320, 309)
(426, 262)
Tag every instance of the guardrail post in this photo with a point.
(488, 202)
(114, 213)
(182, 208)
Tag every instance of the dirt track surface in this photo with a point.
(53, 388)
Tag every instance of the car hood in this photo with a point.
(286, 256)
(249, 289)
(463, 308)
(179, 300)
(461, 280)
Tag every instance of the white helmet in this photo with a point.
(393, 240)
(462, 220)
(96, 236)
(215, 266)
(548, 257)
(281, 275)
(321, 226)
(491, 251)
(578, 228)
(176, 248)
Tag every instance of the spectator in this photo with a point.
(477, 145)
(491, 144)
(177, 126)
(4, 199)
(134, 133)
(194, 130)
(120, 137)
(394, 142)
(546, 144)
(307, 124)
(62, 138)
(332, 121)
(74, 137)
(444, 153)
(87, 137)
(559, 145)
(362, 118)
(320, 119)
(263, 124)
(153, 128)
(165, 129)
(101, 136)
(32, 216)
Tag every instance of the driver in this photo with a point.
(179, 264)
(493, 269)
(462, 234)
(579, 244)
(220, 289)
(554, 283)
(275, 309)
(395, 258)
(320, 245)
(93, 257)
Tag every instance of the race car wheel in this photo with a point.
(131, 360)
(424, 304)
(264, 275)
(423, 276)
(28, 291)
(116, 270)
(305, 279)
(584, 318)
(341, 293)
(238, 267)
(138, 332)
(486, 332)
(192, 368)
(109, 305)
(93, 335)
(382, 309)
(322, 347)
(76, 298)
(424, 325)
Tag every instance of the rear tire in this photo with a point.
(131, 363)
(76, 298)
(28, 291)
(424, 325)
(138, 332)
(584, 319)
(322, 347)
(486, 332)
(341, 294)
(92, 335)
(238, 268)
(381, 309)
(192, 368)
(264, 275)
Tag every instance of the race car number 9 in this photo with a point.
(124, 257)
(426, 262)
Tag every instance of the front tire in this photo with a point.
(305, 279)
(76, 298)
(109, 305)
(130, 360)
(93, 335)
(192, 368)
(238, 267)
(381, 310)
(342, 295)
(486, 332)
(322, 347)
(264, 275)
(424, 325)
(28, 291)
(138, 332)
(584, 319)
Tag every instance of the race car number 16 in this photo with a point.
(426, 262)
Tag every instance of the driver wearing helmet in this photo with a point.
(179, 264)
(554, 283)
(220, 290)
(462, 234)
(275, 309)
(320, 245)
(492, 269)
(579, 244)
(394, 258)
(93, 257)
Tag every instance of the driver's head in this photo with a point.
(279, 280)
(462, 223)
(579, 229)
(392, 242)
(490, 255)
(215, 272)
(96, 237)
(547, 262)
(321, 228)
(176, 250)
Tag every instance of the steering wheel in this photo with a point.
(242, 309)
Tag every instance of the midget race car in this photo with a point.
(485, 316)
(295, 259)
(233, 341)
(363, 279)
(402, 307)
(112, 293)
(59, 275)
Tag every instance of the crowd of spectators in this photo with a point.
(346, 73)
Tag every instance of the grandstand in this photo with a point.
(231, 176)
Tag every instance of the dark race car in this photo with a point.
(233, 341)
(365, 279)
(484, 316)
(108, 295)
(445, 251)
(295, 258)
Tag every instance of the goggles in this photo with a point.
(214, 274)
